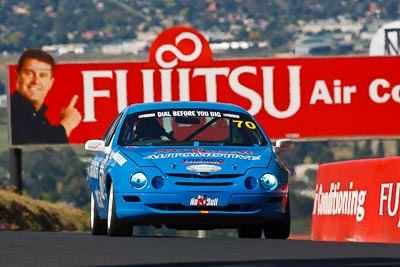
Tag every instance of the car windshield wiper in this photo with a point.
(172, 143)
(202, 128)
(156, 142)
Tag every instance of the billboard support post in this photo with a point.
(16, 169)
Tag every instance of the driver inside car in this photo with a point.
(150, 129)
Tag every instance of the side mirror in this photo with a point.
(283, 145)
(95, 145)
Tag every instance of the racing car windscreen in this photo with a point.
(190, 127)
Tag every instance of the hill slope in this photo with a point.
(20, 212)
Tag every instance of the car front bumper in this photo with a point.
(199, 210)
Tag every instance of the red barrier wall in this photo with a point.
(358, 201)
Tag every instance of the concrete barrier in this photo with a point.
(358, 200)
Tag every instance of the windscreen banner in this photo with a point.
(299, 98)
(358, 200)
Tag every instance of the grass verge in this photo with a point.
(19, 212)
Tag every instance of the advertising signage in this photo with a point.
(301, 98)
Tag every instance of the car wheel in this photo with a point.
(97, 225)
(278, 229)
(250, 231)
(115, 226)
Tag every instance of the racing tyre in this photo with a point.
(250, 231)
(115, 226)
(278, 229)
(97, 225)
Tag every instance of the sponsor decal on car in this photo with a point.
(229, 115)
(94, 169)
(118, 158)
(148, 115)
(192, 113)
(199, 152)
(203, 168)
(203, 201)
(202, 161)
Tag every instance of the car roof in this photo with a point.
(184, 105)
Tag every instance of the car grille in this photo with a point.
(200, 175)
(178, 207)
(200, 179)
(204, 183)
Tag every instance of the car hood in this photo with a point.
(207, 160)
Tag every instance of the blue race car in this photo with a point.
(188, 165)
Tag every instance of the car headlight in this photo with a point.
(138, 180)
(269, 182)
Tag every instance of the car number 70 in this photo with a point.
(249, 124)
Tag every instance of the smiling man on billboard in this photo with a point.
(29, 124)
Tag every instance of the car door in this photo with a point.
(99, 166)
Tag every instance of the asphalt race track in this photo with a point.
(18, 248)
